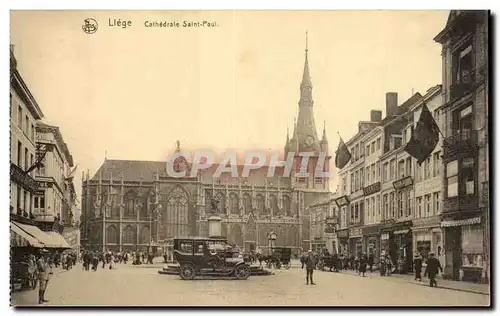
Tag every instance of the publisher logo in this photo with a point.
(90, 26)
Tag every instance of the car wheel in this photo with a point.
(242, 272)
(187, 271)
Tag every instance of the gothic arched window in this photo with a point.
(129, 204)
(111, 235)
(145, 236)
(177, 213)
(247, 203)
(286, 205)
(233, 204)
(222, 203)
(274, 204)
(259, 203)
(129, 235)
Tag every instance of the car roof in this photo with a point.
(200, 238)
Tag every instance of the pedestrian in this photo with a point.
(432, 269)
(388, 264)
(362, 265)
(371, 262)
(44, 272)
(310, 263)
(417, 266)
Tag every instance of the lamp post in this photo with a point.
(272, 240)
(157, 207)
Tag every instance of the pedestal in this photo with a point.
(214, 226)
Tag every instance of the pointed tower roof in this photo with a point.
(324, 139)
(306, 77)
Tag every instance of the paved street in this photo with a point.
(142, 285)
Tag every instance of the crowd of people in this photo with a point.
(92, 259)
(363, 262)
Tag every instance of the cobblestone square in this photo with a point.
(142, 285)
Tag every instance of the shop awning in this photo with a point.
(462, 222)
(38, 234)
(58, 240)
(20, 238)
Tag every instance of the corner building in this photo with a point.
(132, 205)
(465, 179)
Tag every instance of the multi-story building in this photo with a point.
(426, 206)
(373, 141)
(24, 111)
(27, 194)
(465, 217)
(324, 221)
(379, 208)
(406, 185)
(351, 200)
(56, 198)
(129, 205)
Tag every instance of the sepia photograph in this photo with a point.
(250, 158)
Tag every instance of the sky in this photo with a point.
(131, 93)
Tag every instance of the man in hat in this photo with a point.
(417, 266)
(310, 263)
(432, 269)
(44, 272)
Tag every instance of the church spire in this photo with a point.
(305, 130)
(306, 78)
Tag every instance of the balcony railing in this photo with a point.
(463, 85)
(460, 141)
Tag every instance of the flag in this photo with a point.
(342, 155)
(424, 138)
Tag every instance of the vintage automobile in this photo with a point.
(206, 256)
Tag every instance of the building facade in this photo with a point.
(28, 227)
(24, 112)
(324, 225)
(465, 178)
(56, 197)
(381, 186)
(129, 205)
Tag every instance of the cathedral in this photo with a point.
(133, 205)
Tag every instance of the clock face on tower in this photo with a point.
(309, 140)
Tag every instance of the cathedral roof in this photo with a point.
(133, 170)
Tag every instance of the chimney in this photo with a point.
(375, 116)
(391, 103)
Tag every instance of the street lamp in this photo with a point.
(272, 240)
(156, 210)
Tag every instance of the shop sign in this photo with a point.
(373, 230)
(344, 233)
(330, 230)
(342, 201)
(22, 178)
(373, 188)
(402, 183)
(384, 236)
(355, 232)
(463, 222)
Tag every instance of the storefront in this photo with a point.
(371, 242)
(464, 249)
(427, 238)
(396, 240)
(343, 239)
(355, 241)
